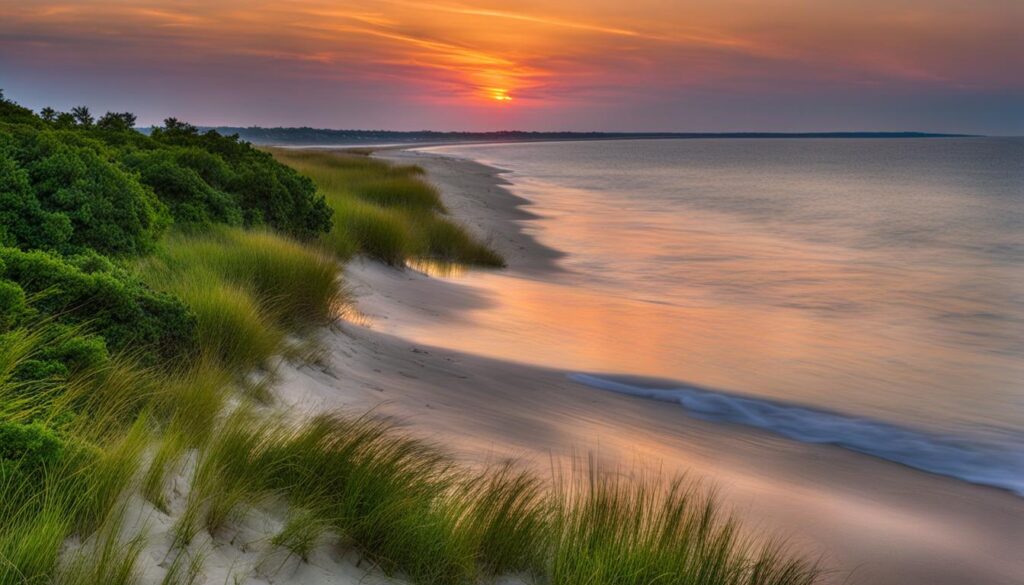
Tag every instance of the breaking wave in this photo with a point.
(999, 465)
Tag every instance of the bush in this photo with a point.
(64, 179)
(111, 303)
(63, 350)
(191, 199)
(267, 192)
(23, 221)
(12, 304)
(29, 447)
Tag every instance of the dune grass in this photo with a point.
(387, 212)
(404, 504)
(249, 290)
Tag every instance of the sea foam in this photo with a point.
(997, 464)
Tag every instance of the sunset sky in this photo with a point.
(686, 65)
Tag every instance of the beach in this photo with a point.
(869, 520)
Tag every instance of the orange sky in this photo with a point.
(650, 64)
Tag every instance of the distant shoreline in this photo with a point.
(314, 137)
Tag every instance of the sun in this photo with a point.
(498, 94)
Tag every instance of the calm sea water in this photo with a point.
(862, 293)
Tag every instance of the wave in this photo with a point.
(986, 463)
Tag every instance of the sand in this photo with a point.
(873, 522)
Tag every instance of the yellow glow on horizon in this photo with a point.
(500, 95)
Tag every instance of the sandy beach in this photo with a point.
(870, 521)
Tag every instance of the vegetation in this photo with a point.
(145, 280)
(386, 211)
(330, 137)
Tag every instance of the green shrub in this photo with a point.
(76, 181)
(113, 304)
(23, 221)
(12, 304)
(63, 350)
(191, 199)
(29, 446)
(267, 192)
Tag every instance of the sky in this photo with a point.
(601, 65)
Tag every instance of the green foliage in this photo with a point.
(63, 350)
(192, 200)
(247, 290)
(387, 212)
(30, 446)
(69, 183)
(114, 121)
(23, 220)
(78, 189)
(266, 192)
(112, 303)
(12, 304)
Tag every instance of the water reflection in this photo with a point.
(437, 268)
(873, 278)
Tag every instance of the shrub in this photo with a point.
(12, 304)
(29, 447)
(267, 192)
(23, 221)
(75, 178)
(191, 199)
(111, 303)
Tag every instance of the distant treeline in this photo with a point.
(315, 136)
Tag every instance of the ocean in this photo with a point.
(862, 293)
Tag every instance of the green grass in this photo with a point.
(413, 512)
(620, 529)
(404, 504)
(248, 289)
(305, 529)
(387, 212)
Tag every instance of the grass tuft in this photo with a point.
(387, 212)
(248, 289)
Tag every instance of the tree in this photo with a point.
(82, 115)
(118, 121)
(48, 114)
(173, 126)
(64, 120)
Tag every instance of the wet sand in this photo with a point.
(870, 521)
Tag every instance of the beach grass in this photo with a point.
(404, 504)
(385, 211)
(77, 444)
(412, 511)
(249, 290)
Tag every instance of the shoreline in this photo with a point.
(484, 409)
